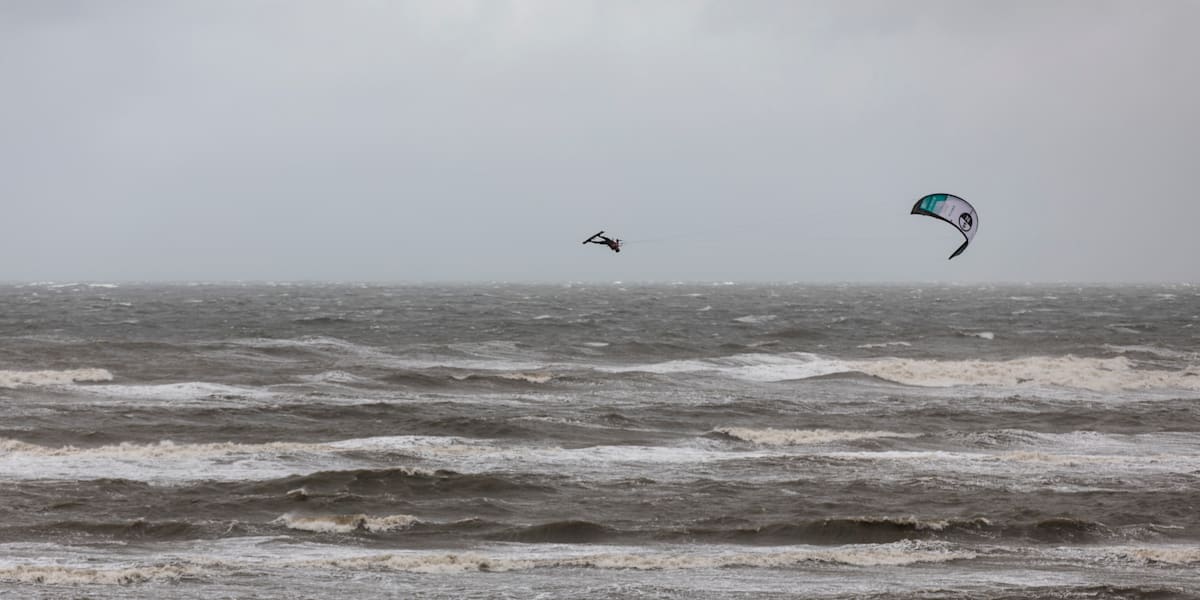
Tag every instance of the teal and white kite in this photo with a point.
(953, 210)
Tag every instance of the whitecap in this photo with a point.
(756, 319)
(794, 437)
(1097, 374)
(884, 345)
(174, 392)
(12, 379)
(346, 523)
(75, 575)
(986, 335)
(749, 367)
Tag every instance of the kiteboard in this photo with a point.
(594, 236)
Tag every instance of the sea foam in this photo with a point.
(1097, 374)
(68, 575)
(12, 379)
(864, 555)
(749, 367)
(346, 523)
(796, 437)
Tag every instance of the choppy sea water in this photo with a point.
(599, 441)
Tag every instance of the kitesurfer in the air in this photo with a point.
(614, 245)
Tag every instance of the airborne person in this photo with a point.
(614, 245)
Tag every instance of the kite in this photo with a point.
(953, 210)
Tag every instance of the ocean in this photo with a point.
(615, 440)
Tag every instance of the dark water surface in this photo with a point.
(599, 441)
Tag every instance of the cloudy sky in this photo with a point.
(450, 140)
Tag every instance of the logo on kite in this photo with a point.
(944, 207)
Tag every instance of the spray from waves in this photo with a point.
(346, 523)
(906, 552)
(12, 379)
(797, 437)
(1097, 374)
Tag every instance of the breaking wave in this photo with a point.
(346, 523)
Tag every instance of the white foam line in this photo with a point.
(1131, 555)
(749, 367)
(176, 392)
(13, 379)
(346, 523)
(100, 569)
(1094, 374)
(791, 437)
(1097, 374)
(170, 462)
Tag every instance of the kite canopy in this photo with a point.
(953, 210)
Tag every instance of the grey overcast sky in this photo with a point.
(456, 140)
